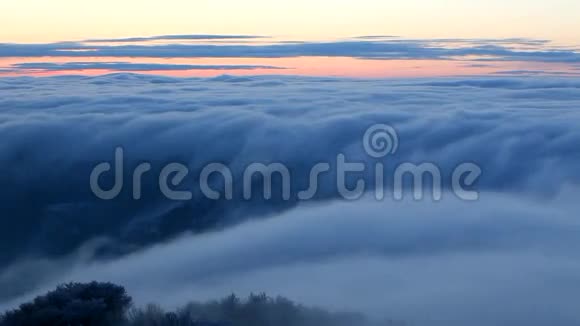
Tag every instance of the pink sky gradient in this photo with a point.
(310, 66)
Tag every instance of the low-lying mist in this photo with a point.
(448, 262)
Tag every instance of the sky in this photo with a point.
(47, 22)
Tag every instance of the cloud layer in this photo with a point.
(522, 132)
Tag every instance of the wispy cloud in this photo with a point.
(536, 72)
(474, 53)
(437, 49)
(126, 66)
(174, 38)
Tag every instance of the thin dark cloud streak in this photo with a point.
(535, 72)
(479, 41)
(127, 66)
(182, 37)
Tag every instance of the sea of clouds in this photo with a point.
(508, 257)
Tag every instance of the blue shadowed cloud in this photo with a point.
(195, 121)
(450, 259)
(511, 49)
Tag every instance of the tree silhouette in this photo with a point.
(106, 304)
(73, 304)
